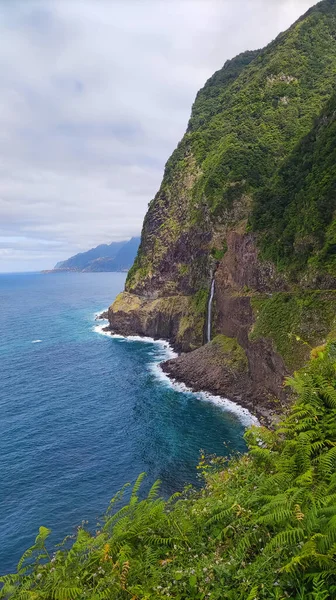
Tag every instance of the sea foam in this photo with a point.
(167, 353)
(227, 405)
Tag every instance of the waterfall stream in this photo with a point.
(212, 292)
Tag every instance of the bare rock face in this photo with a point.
(217, 370)
(170, 318)
(241, 275)
(212, 367)
(241, 269)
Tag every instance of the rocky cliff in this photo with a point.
(248, 198)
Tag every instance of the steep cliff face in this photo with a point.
(247, 197)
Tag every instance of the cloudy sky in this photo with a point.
(94, 96)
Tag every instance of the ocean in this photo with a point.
(83, 413)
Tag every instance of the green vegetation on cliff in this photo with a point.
(295, 214)
(296, 322)
(263, 129)
(263, 527)
(241, 134)
(194, 319)
(232, 355)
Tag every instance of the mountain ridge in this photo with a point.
(117, 256)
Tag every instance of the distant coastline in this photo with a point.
(53, 271)
(117, 257)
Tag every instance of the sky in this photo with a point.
(94, 97)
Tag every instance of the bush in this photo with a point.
(263, 526)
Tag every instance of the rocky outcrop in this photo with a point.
(102, 316)
(220, 204)
(174, 318)
(215, 368)
(171, 318)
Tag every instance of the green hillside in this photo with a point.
(248, 128)
(117, 256)
(295, 213)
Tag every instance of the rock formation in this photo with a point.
(250, 194)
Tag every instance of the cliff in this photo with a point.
(248, 197)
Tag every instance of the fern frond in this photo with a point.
(158, 540)
(154, 491)
(136, 487)
(327, 463)
(287, 538)
(328, 393)
(40, 539)
(62, 592)
(275, 518)
(221, 515)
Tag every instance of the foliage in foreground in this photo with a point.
(263, 527)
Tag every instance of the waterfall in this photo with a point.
(212, 292)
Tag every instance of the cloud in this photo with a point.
(94, 96)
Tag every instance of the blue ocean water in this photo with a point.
(82, 413)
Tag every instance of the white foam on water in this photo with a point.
(97, 315)
(100, 329)
(169, 352)
(243, 414)
(36, 341)
(226, 405)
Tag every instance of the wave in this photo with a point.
(169, 352)
(100, 329)
(36, 341)
(243, 414)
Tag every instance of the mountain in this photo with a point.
(248, 200)
(117, 256)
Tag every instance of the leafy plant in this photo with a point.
(263, 526)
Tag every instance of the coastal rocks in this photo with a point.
(172, 318)
(221, 367)
(102, 316)
(238, 278)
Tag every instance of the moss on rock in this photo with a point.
(177, 318)
(295, 321)
(126, 302)
(231, 353)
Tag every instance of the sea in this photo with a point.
(82, 412)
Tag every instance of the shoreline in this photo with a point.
(261, 415)
(243, 412)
